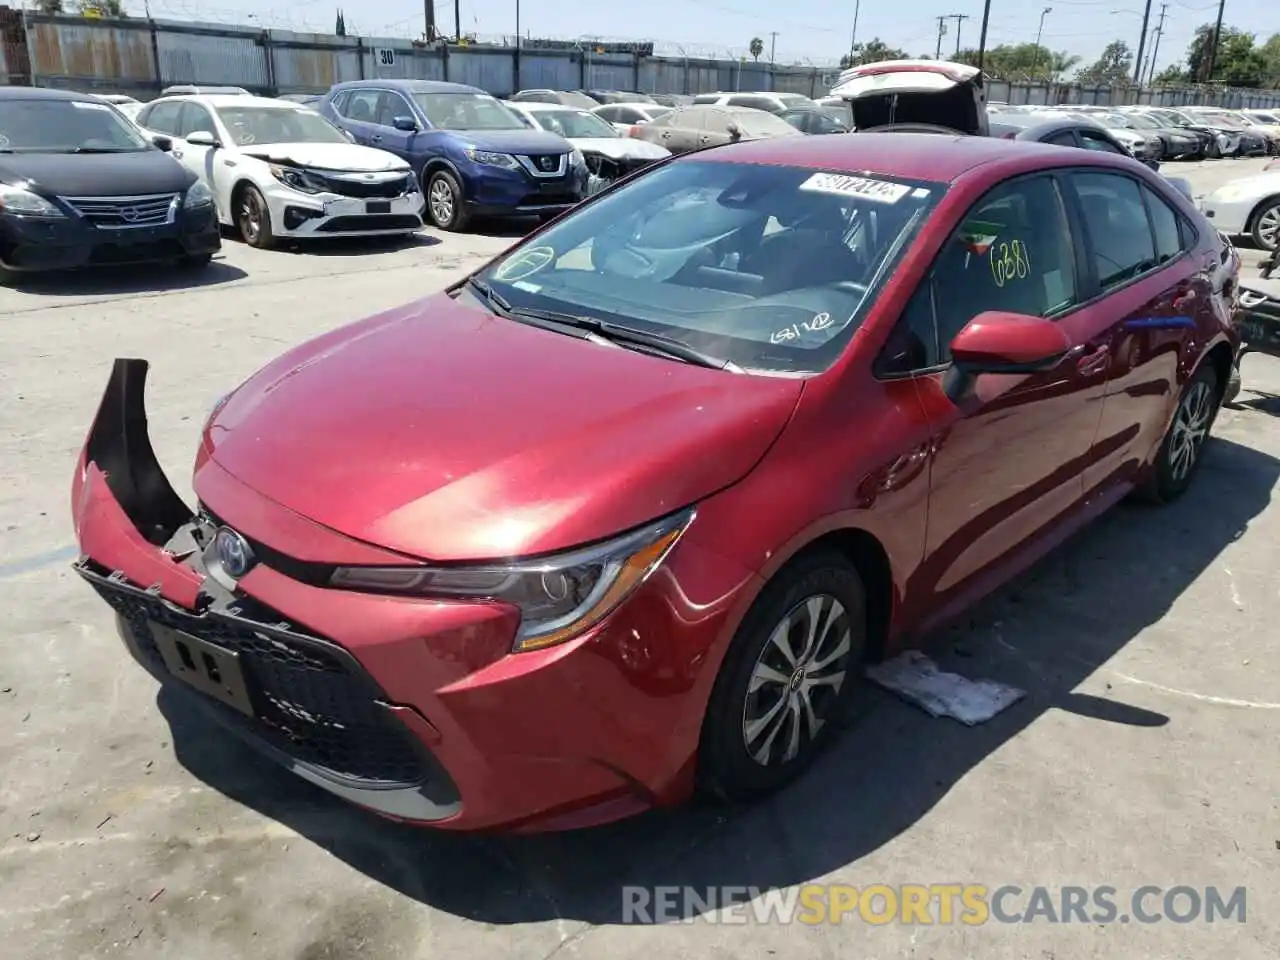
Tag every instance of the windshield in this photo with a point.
(66, 126)
(771, 268)
(653, 113)
(1141, 122)
(466, 111)
(572, 123)
(1114, 121)
(1225, 121)
(761, 124)
(250, 125)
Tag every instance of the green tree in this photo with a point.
(1238, 64)
(757, 48)
(1271, 54)
(102, 8)
(340, 27)
(1113, 68)
(1021, 61)
(873, 51)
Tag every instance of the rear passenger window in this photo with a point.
(163, 117)
(1165, 224)
(1116, 219)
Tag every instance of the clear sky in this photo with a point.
(816, 30)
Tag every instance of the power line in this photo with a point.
(959, 18)
(1155, 49)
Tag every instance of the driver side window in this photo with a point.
(195, 118)
(1012, 252)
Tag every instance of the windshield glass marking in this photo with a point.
(881, 191)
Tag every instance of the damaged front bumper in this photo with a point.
(298, 698)
(603, 172)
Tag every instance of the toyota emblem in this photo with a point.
(233, 553)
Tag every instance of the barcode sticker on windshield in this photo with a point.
(86, 105)
(879, 191)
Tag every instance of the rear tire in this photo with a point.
(787, 680)
(1182, 449)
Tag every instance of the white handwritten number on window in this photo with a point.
(1009, 262)
(798, 330)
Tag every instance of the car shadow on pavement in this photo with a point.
(1046, 633)
(1259, 400)
(356, 246)
(143, 278)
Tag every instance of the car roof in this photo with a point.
(44, 93)
(233, 100)
(409, 86)
(536, 107)
(641, 105)
(911, 156)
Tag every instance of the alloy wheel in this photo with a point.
(1268, 228)
(441, 200)
(251, 218)
(796, 681)
(1190, 427)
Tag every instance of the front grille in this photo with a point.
(545, 162)
(311, 699)
(370, 189)
(397, 221)
(121, 213)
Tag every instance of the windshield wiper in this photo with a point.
(629, 336)
(101, 150)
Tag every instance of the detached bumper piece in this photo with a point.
(1260, 322)
(298, 698)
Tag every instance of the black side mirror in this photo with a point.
(735, 132)
(407, 124)
(163, 143)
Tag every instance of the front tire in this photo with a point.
(787, 679)
(1182, 449)
(254, 219)
(1265, 228)
(446, 206)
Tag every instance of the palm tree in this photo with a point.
(757, 47)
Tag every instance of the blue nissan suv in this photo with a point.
(474, 156)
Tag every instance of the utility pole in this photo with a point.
(853, 36)
(429, 8)
(1035, 60)
(959, 18)
(982, 39)
(942, 28)
(1155, 52)
(773, 43)
(1142, 43)
(1213, 50)
(457, 20)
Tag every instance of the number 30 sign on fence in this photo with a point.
(384, 57)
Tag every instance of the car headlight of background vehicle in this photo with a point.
(559, 597)
(23, 202)
(198, 195)
(298, 179)
(489, 159)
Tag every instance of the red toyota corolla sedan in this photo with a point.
(622, 515)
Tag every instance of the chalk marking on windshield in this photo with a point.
(1009, 262)
(83, 105)
(526, 286)
(866, 188)
(797, 330)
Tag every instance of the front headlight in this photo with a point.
(504, 160)
(298, 179)
(558, 597)
(23, 202)
(198, 195)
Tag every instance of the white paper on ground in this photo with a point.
(916, 678)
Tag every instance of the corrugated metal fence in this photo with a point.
(140, 57)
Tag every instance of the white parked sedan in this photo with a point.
(609, 155)
(1250, 205)
(278, 169)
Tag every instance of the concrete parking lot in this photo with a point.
(1143, 753)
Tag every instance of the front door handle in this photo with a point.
(1093, 362)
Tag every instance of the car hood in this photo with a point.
(621, 148)
(915, 91)
(1245, 187)
(97, 174)
(513, 141)
(444, 432)
(350, 157)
